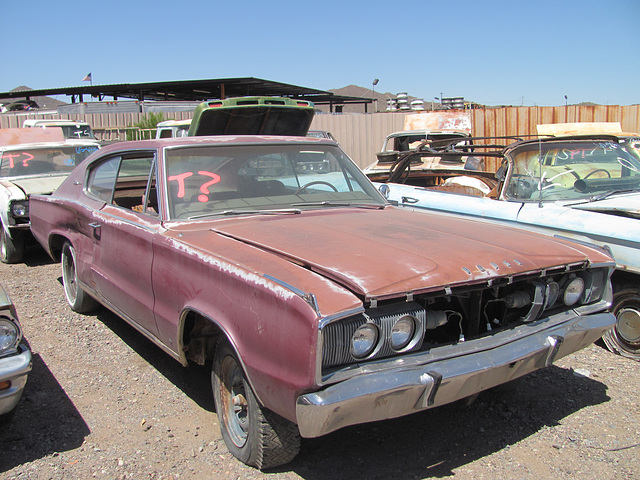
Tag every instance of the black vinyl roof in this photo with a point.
(192, 90)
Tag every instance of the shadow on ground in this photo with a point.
(432, 443)
(45, 421)
(435, 442)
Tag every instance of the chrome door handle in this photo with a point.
(97, 230)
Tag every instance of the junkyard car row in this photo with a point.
(583, 187)
(317, 303)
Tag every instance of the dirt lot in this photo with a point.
(103, 402)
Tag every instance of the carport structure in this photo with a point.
(194, 90)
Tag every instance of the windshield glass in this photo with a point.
(572, 170)
(77, 132)
(214, 180)
(42, 161)
(411, 141)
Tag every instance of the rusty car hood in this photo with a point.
(428, 250)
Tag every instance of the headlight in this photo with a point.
(402, 332)
(573, 291)
(9, 334)
(364, 340)
(20, 209)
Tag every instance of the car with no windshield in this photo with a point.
(313, 299)
(584, 187)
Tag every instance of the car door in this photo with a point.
(122, 237)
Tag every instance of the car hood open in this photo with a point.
(390, 252)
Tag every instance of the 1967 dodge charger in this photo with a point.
(318, 304)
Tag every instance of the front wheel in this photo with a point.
(624, 337)
(77, 298)
(11, 246)
(254, 435)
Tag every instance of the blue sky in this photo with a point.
(495, 52)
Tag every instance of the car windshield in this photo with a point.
(77, 131)
(240, 179)
(572, 170)
(42, 160)
(408, 141)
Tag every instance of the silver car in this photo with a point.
(15, 357)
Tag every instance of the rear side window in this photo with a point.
(102, 178)
(123, 181)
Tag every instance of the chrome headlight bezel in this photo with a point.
(403, 332)
(364, 341)
(10, 335)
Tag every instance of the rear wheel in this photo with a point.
(11, 246)
(254, 435)
(77, 298)
(624, 338)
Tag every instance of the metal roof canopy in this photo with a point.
(193, 90)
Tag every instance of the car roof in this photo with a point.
(35, 145)
(156, 143)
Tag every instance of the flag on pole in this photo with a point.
(87, 78)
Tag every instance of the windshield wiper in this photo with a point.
(328, 203)
(248, 212)
(603, 195)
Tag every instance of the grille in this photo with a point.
(337, 335)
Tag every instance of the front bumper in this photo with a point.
(435, 380)
(14, 369)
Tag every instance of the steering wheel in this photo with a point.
(596, 171)
(315, 182)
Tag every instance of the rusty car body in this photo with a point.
(32, 161)
(315, 300)
(584, 187)
(15, 357)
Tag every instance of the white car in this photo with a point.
(15, 358)
(70, 128)
(583, 187)
(27, 169)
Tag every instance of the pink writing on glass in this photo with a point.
(204, 188)
(13, 156)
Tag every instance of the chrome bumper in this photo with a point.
(399, 391)
(14, 369)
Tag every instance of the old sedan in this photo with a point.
(15, 358)
(318, 304)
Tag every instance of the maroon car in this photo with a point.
(319, 304)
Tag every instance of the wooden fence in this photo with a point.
(361, 135)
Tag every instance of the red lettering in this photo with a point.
(180, 179)
(204, 188)
(25, 161)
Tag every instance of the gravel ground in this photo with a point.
(103, 402)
